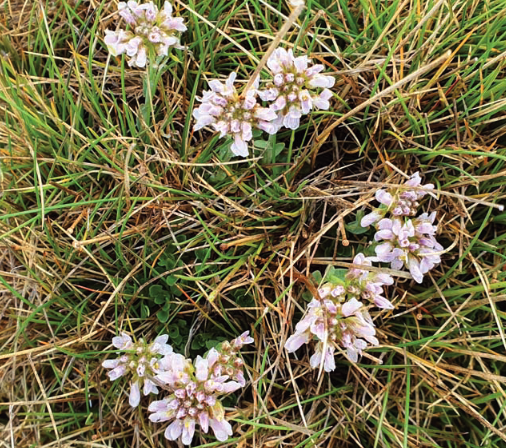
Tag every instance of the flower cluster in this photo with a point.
(333, 323)
(367, 285)
(405, 241)
(410, 243)
(401, 201)
(295, 89)
(195, 388)
(151, 33)
(141, 361)
(338, 317)
(228, 113)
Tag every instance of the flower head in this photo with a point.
(225, 359)
(398, 201)
(141, 361)
(368, 285)
(409, 242)
(151, 32)
(297, 87)
(194, 400)
(233, 115)
(196, 389)
(334, 322)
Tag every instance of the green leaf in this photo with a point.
(307, 296)
(262, 144)
(168, 262)
(170, 280)
(163, 315)
(156, 291)
(335, 275)
(160, 300)
(354, 227)
(317, 275)
(176, 291)
(213, 343)
(201, 254)
(166, 306)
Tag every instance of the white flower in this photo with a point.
(227, 112)
(152, 32)
(398, 201)
(296, 87)
(408, 242)
(338, 318)
(141, 361)
(196, 390)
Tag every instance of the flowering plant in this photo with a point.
(405, 241)
(141, 361)
(337, 317)
(400, 201)
(195, 388)
(296, 88)
(196, 391)
(152, 32)
(232, 115)
(410, 243)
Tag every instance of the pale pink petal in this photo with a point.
(384, 197)
(188, 430)
(135, 395)
(123, 342)
(204, 421)
(201, 369)
(370, 218)
(174, 430)
(239, 147)
(222, 429)
(149, 387)
(110, 363)
(230, 387)
(116, 373)
(351, 307)
(295, 341)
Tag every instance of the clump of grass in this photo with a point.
(107, 223)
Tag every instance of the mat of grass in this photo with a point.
(109, 224)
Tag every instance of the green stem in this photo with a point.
(150, 84)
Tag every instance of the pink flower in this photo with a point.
(295, 89)
(356, 329)
(194, 401)
(329, 363)
(196, 390)
(368, 284)
(225, 360)
(351, 307)
(335, 321)
(232, 115)
(399, 201)
(409, 243)
(152, 32)
(123, 342)
(141, 361)
(244, 339)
